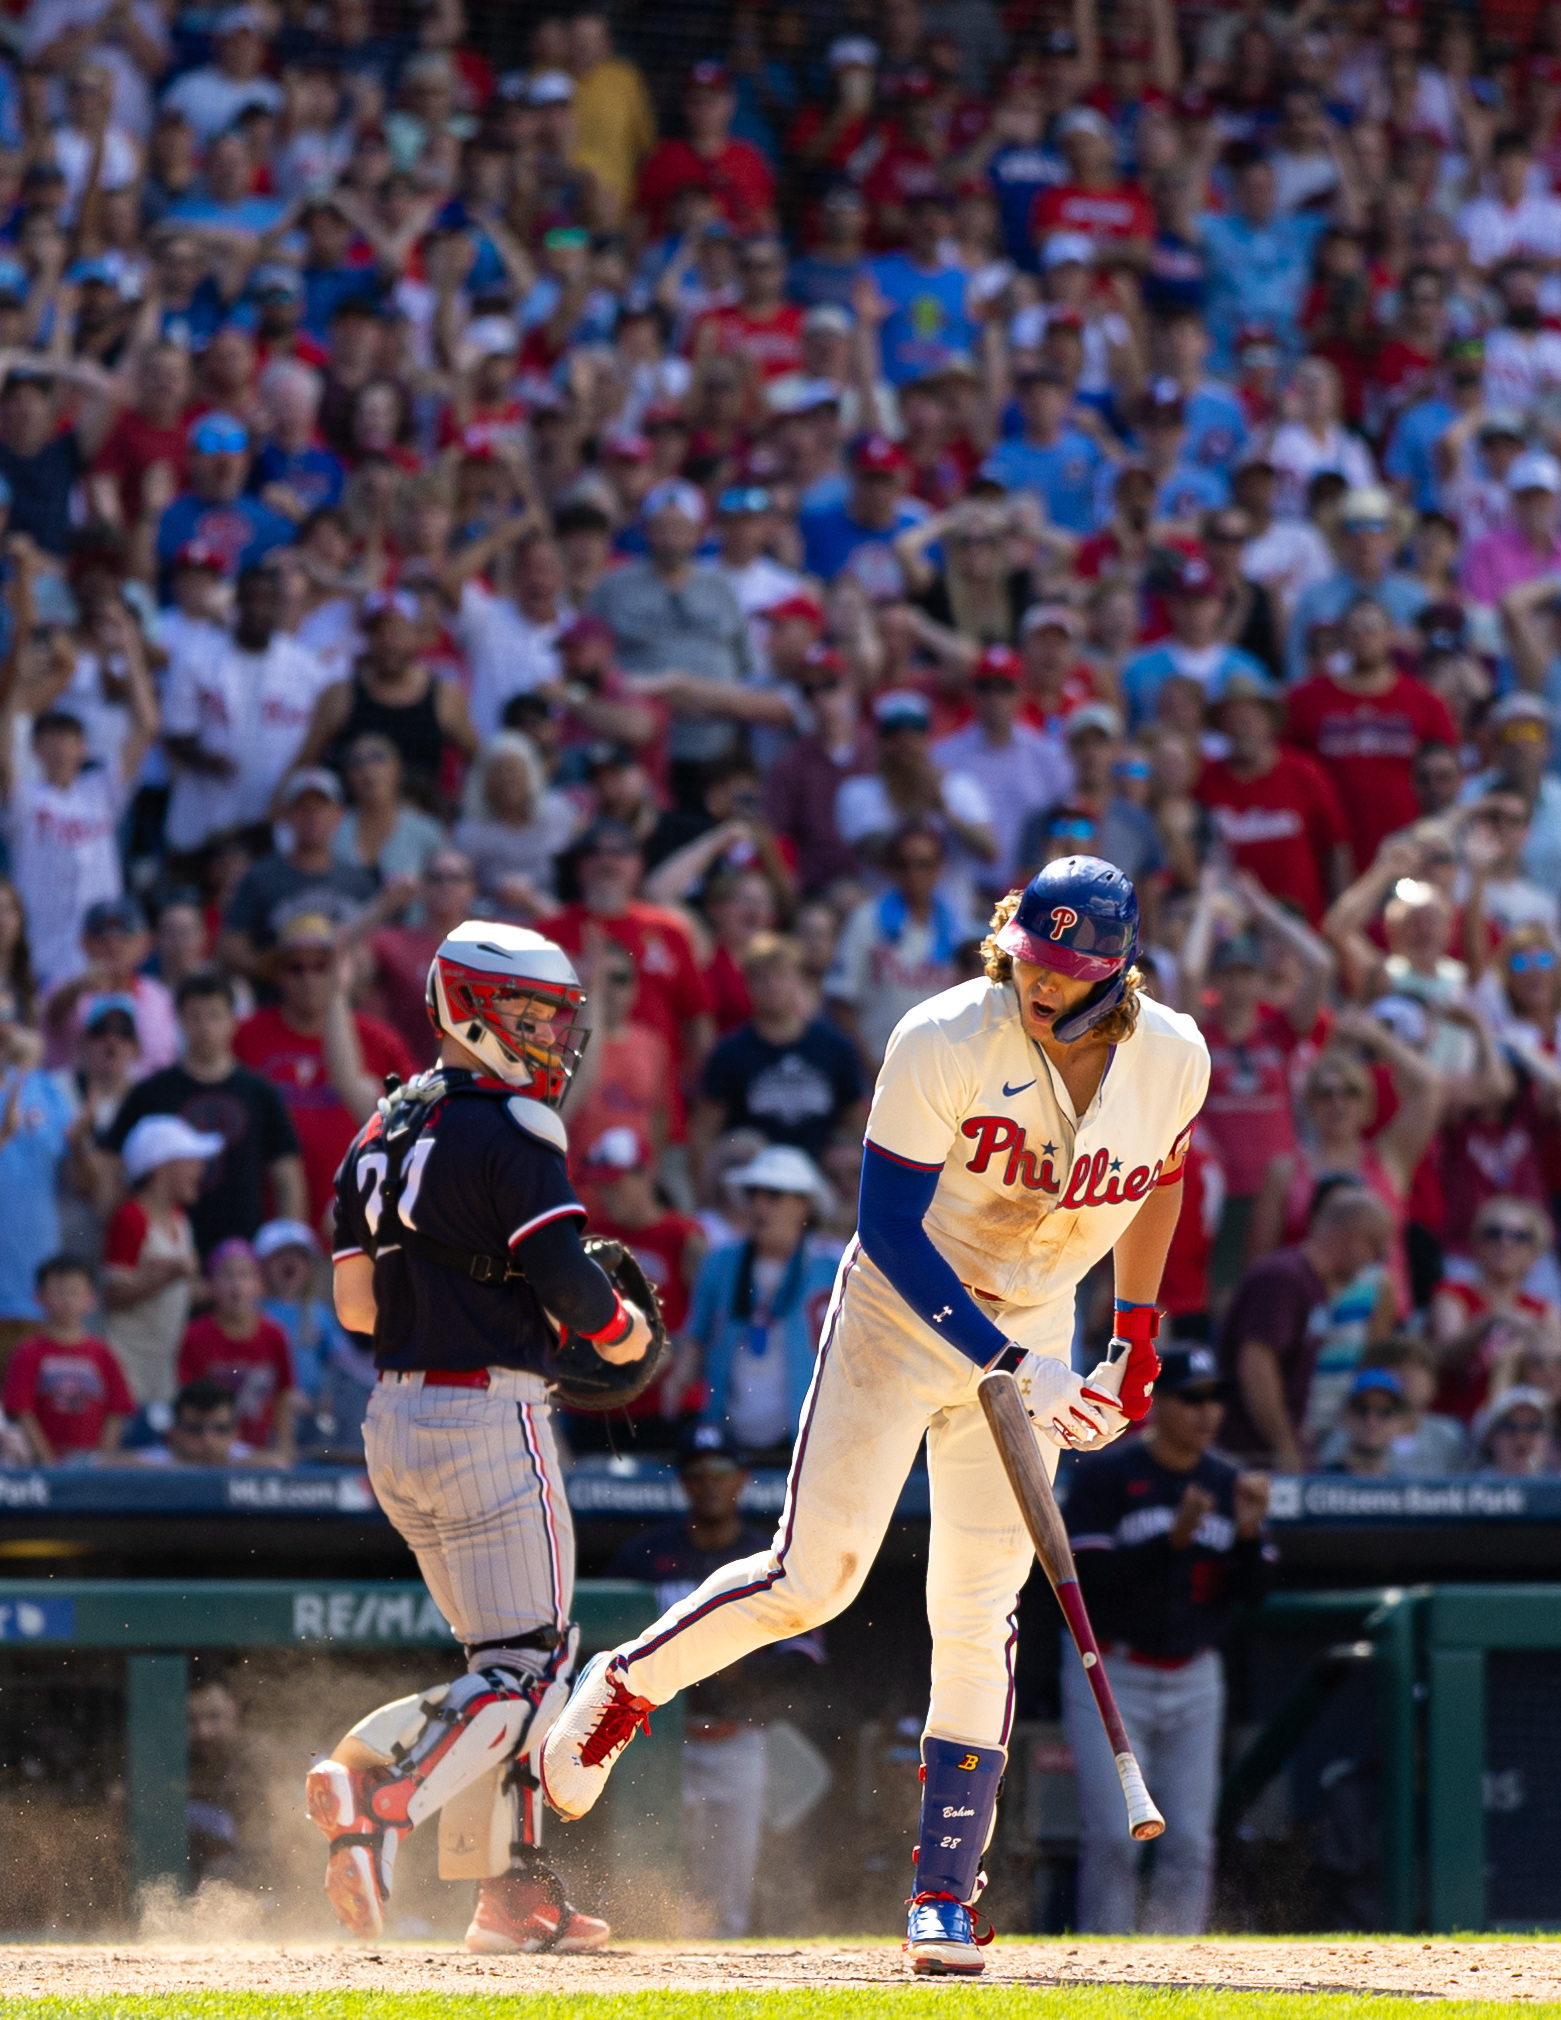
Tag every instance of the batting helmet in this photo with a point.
(1078, 917)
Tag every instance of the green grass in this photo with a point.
(907, 2002)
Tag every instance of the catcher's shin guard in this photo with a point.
(497, 1816)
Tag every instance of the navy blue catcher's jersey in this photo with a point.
(484, 1172)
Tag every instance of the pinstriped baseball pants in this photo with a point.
(471, 1479)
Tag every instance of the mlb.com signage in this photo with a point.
(384, 1619)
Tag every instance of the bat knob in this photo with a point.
(1144, 1821)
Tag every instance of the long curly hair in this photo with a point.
(998, 965)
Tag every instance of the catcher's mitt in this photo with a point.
(581, 1379)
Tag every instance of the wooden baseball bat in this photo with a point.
(1014, 1436)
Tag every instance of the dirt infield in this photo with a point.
(1491, 1969)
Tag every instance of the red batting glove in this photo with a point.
(1136, 1330)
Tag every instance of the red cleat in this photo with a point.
(527, 1912)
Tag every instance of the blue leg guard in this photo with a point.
(958, 1804)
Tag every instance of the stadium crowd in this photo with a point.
(739, 491)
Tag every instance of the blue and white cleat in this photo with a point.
(941, 1939)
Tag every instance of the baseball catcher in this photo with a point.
(458, 1248)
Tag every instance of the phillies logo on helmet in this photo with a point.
(1064, 919)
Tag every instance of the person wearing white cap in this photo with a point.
(1368, 541)
(1521, 729)
(758, 1302)
(1528, 545)
(149, 1259)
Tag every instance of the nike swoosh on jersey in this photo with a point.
(1011, 1091)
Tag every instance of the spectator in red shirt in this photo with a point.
(1406, 363)
(1249, 1115)
(1057, 677)
(733, 172)
(1094, 200)
(672, 996)
(64, 1388)
(1276, 810)
(150, 432)
(236, 1346)
(1480, 1327)
(328, 1064)
(911, 164)
(1364, 726)
(827, 137)
(763, 327)
(627, 1079)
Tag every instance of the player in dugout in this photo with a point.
(1168, 1537)
(1025, 1124)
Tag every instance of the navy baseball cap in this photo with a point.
(709, 1444)
(1184, 1369)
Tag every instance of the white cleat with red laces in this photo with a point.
(589, 1734)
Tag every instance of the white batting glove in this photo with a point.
(1064, 1408)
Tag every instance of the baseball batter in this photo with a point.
(458, 1247)
(1023, 1125)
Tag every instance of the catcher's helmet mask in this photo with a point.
(512, 998)
(1078, 917)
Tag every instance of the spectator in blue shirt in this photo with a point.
(1216, 425)
(189, 300)
(1194, 651)
(224, 196)
(1367, 544)
(294, 474)
(859, 533)
(214, 510)
(1183, 489)
(827, 277)
(1410, 457)
(1260, 264)
(329, 277)
(925, 298)
(39, 1115)
(1058, 463)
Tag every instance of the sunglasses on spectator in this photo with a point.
(1532, 961)
(1337, 1090)
(1520, 1427)
(1504, 820)
(1364, 1406)
(1503, 1230)
(447, 876)
(299, 967)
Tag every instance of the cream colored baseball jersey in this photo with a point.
(1031, 1195)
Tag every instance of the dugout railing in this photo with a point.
(159, 1624)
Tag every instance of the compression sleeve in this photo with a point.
(894, 1201)
(573, 1289)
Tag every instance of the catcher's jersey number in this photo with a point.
(372, 1167)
